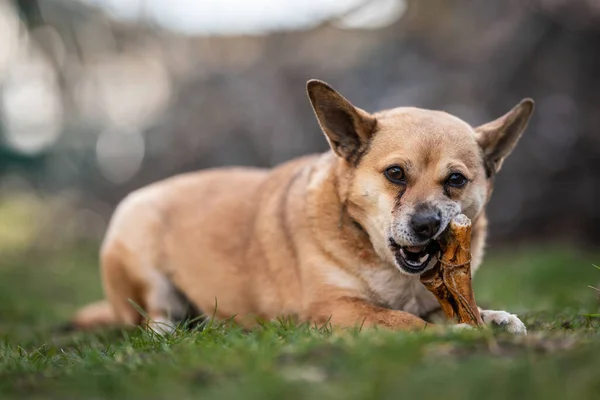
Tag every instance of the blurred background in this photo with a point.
(100, 97)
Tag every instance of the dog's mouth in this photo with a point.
(414, 259)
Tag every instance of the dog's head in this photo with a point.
(409, 171)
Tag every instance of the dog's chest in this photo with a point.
(397, 291)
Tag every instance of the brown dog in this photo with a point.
(339, 237)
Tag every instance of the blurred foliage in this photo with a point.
(127, 103)
(19, 217)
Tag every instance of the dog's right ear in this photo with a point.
(348, 128)
(498, 138)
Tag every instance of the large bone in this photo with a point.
(450, 279)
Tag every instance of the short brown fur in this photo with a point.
(309, 238)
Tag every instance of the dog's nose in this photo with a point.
(426, 223)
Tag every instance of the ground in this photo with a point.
(549, 286)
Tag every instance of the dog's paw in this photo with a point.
(510, 322)
(162, 326)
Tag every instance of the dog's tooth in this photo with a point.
(424, 258)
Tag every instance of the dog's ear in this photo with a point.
(499, 137)
(348, 128)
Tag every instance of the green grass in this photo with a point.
(548, 286)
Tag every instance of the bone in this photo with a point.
(450, 279)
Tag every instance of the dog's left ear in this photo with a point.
(348, 128)
(498, 138)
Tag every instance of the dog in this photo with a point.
(337, 238)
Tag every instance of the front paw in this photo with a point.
(510, 322)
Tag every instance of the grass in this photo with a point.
(548, 286)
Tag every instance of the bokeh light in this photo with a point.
(99, 97)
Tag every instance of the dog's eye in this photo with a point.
(456, 180)
(395, 175)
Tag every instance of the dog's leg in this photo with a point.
(352, 312)
(511, 322)
(128, 279)
(136, 294)
(120, 290)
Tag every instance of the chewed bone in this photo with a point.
(450, 279)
